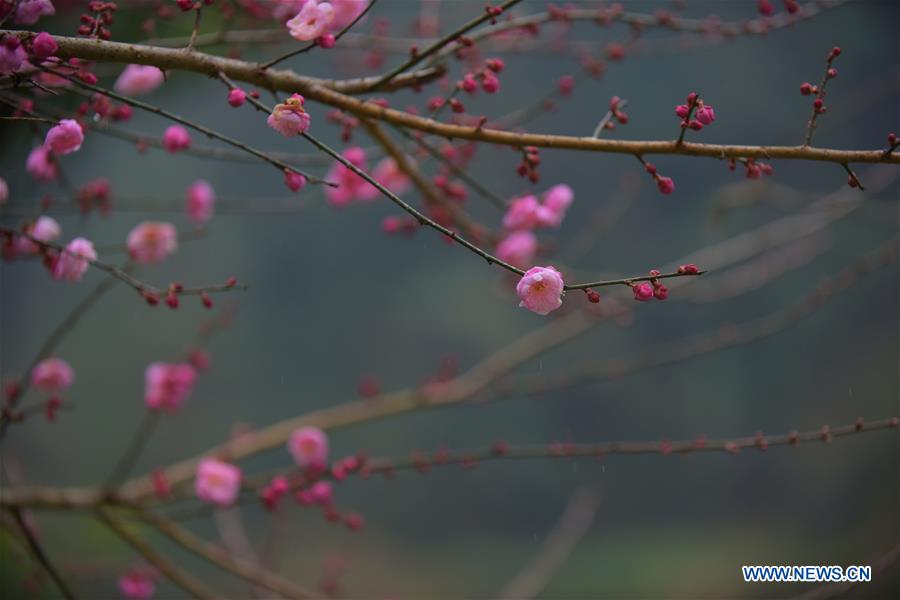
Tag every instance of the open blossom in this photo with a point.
(12, 55)
(289, 118)
(41, 165)
(137, 80)
(167, 385)
(137, 584)
(350, 185)
(29, 11)
(201, 199)
(388, 174)
(64, 138)
(44, 228)
(540, 290)
(176, 138)
(72, 263)
(309, 447)
(152, 242)
(312, 21)
(528, 212)
(518, 248)
(52, 375)
(217, 482)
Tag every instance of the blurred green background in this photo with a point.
(333, 299)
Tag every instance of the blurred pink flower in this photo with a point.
(518, 248)
(44, 228)
(151, 242)
(309, 447)
(41, 165)
(29, 11)
(52, 375)
(350, 185)
(64, 138)
(217, 482)
(137, 584)
(137, 80)
(71, 264)
(201, 200)
(167, 385)
(176, 138)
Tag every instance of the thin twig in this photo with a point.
(41, 556)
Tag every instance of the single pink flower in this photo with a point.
(41, 164)
(388, 174)
(289, 118)
(350, 185)
(309, 447)
(53, 375)
(522, 213)
(44, 228)
(64, 138)
(151, 242)
(642, 291)
(201, 200)
(137, 80)
(72, 263)
(176, 138)
(312, 21)
(29, 11)
(137, 584)
(556, 202)
(322, 493)
(540, 290)
(217, 482)
(489, 83)
(167, 385)
(44, 46)
(518, 248)
(12, 55)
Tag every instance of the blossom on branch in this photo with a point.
(289, 118)
(64, 138)
(137, 80)
(72, 262)
(309, 447)
(312, 21)
(52, 375)
(540, 290)
(151, 242)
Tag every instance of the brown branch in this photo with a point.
(41, 556)
(184, 580)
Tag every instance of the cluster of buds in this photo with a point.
(493, 12)
(347, 122)
(616, 105)
(644, 291)
(529, 165)
(694, 114)
(97, 25)
(808, 89)
(755, 169)
(95, 193)
(665, 184)
(104, 108)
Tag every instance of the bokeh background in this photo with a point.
(333, 299)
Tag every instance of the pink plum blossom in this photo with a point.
(12, 55)
(705, 114)
(167, 385)
(518, 248)
(345, 11)
(217, 482)
(137, 584)
(528, 212)
(64, 138)
(44, 228)
(312, 21)
(72, 263)
(151, 242)
(557, 201)
(53, 375)
(201, 200)
(350, 185)
(522, 213)
(41, 165)
(540, 290)
(176, 138)
(237, 97)
(388, 174)
(44, 46)
(309, 447)
(29, 11)
(289, 118)
(137, 80)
